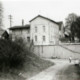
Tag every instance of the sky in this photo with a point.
(56, 10)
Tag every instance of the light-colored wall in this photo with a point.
(54, 33)
(39, 22)
(20, 33)
(51, 30)
(59, 51)
(61, 32)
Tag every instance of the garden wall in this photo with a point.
(60, 51)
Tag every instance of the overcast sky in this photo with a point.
(57, 10)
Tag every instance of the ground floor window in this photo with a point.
(28, 39)
(35, 38)
(44, 38)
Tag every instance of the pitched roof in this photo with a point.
(44, 18)
(20, 27)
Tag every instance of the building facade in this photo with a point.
(44, 31)
(41, 30)
(21, 32)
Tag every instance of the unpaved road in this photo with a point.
(70, 72)
(52, 72)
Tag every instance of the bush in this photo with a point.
(64, 39)
(12, 55)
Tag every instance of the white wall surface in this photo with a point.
(51, 31)
(20, 33)
(59, 51)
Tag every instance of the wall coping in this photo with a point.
(60, 44)
(69, 43)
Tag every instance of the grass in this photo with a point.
(28, 63)
(32, 66)
(8, 76)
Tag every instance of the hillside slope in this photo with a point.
(32, 65)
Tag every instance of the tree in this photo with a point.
(71, 18)
(1, 15)
(69, 26)
(75, 28)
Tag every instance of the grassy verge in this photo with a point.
(32, 66)
(17, 62)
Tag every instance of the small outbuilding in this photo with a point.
(4, 34)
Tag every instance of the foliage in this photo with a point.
(15, 58)
(69, 25)
(11, 55)
(75, 28)
(71, 18)
(63, 39)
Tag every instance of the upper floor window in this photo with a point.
(44, 38)
(43, 28)
(35, 38)
(35, 28)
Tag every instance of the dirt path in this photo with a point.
(71, 72)
(50, 73)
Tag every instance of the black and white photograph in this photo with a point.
(39, 39)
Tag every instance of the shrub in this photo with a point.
(12, 55)
(64, 39)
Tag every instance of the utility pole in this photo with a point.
(22, 22)
(1, 15)
(10, 18)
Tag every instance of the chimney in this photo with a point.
(22, 22)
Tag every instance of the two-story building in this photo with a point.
(44, 31)
(41, 30)
(21, 32)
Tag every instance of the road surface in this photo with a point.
(52, 73)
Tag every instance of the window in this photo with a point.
(43, 28)
(28, 39)
(35, 38)
(44, 38)
(36, 29)
(28, 31)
